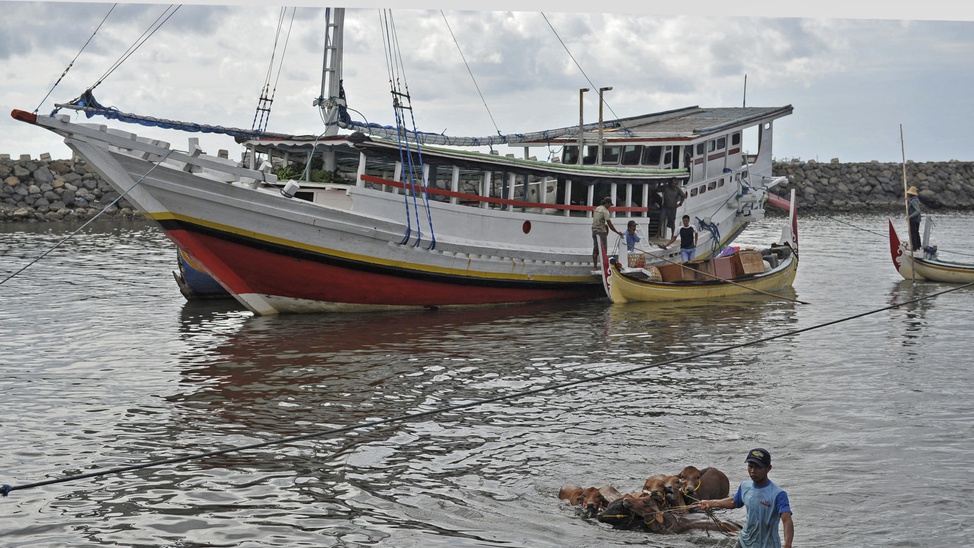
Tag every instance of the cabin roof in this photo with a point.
(688, 124)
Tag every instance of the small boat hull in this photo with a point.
(625, 288)
(918, 266)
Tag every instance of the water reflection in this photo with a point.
(910, 318)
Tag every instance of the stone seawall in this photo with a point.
(44, 189)
(876, 186)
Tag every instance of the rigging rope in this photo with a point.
(397, 74)
(580, 69)
(6, 488)
(71, 64)
(155, 26)
(885, 235)
(264, 103)
(470, 72)
(80, 228)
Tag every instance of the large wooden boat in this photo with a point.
(418, 221)
(924, 264)
(742, 272)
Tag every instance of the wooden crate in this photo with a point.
(672, 273)
(725, 268)
(750, 262)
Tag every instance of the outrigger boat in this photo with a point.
(739, 272)
(408, 218)
(194, 283)
(924, 264)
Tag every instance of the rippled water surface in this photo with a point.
(103, 364)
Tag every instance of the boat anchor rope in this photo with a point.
(6, 489)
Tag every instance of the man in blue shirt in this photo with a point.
(631, 237)
(766, 504)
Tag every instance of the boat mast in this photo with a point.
(907, 198)
(329, 99)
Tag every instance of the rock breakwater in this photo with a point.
(45, 189)
(876, 186)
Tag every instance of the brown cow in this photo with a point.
(648, 515)
(674, 494)
(655, 486)
(709, 483)
(620, 514)
(591, 500)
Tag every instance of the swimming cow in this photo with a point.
(706, 484)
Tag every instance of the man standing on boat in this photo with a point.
(672, 196)
(601, 224)
(913, 207)
(688, 236)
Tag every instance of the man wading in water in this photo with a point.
(766, 503)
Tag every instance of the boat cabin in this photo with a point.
(702, 148)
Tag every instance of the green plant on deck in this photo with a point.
(296, 171)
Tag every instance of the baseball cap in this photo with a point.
(760, 457)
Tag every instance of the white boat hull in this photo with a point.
(356, 249)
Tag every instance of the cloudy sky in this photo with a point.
(853, 74)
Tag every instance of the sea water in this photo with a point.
(863, 396)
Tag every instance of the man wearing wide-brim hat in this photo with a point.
(913, 211)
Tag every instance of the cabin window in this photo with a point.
(720, 183)
(700, 150)
(711, 185)
(569, 155)
(668, 156)
(711, 146)
(721, 143)
(631, 154)
(652, 155)
(610, 155)
(735, 139)
(693, 191)
(703, 189)
(591, 153)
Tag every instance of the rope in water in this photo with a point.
(82, 227)
(6, 489)
(885, 236)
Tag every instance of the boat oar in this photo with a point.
(718, 278)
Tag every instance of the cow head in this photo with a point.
(647, 510)
(689, 480)
(674, 494)
(655, 487)
(592, 501)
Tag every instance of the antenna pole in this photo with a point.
(745, 92)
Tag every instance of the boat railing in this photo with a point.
(476, 200)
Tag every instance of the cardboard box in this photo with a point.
(750, 262)
(725, 268)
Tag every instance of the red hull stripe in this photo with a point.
(259, 267)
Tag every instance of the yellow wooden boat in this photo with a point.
(743, 272)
